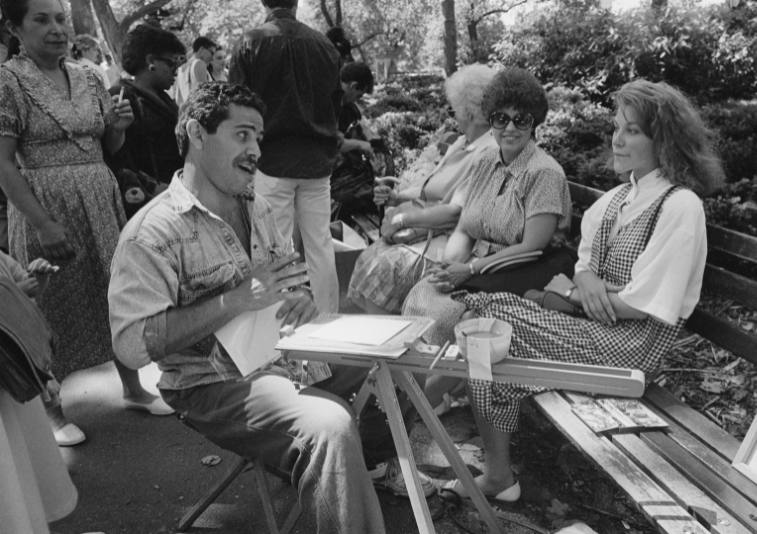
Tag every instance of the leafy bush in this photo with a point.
(577, 133)
(708, 52)
(735, 124)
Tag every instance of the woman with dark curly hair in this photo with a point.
(516, 201)
(152, 55)
(639, 273)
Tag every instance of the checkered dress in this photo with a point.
(550, 335)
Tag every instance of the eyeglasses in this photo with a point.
(522, 121)
(170, 63)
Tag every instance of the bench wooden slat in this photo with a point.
(735, 243)
(730, 285)
(708, 432)
(367, 226)
(702, 476)
(676, 484)
(717, 455)
(653, 502)
(723, 333)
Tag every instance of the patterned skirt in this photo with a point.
(540, 334)
(385, 273)
(86, 200)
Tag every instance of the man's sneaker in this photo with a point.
(393, 481)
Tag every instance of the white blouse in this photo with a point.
(666, 278)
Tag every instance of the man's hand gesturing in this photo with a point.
(271, 283)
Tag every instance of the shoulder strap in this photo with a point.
(656, 215)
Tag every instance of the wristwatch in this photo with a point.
(569, 292)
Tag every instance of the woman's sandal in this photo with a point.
(456, 489)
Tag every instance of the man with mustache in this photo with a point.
(184, 267)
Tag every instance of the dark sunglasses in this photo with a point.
(522, 121)
(170, 63)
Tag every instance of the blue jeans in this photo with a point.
(310, 433)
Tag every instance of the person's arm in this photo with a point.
(537, 234)
(438, 216)
(146, 322)
(52, 235)
(117, 114)
(600, 301)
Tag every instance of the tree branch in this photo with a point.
(326, 14)
(501, 10)
(371, 36)
(141, 12)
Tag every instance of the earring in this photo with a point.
(151, 66)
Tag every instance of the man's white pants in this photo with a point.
(306, 201)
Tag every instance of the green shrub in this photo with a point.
(735, 124)
(707, 52)
(577, 133)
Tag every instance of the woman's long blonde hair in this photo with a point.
(683, 144)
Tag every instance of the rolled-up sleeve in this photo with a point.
(143, 286)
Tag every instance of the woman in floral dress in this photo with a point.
(55, 120)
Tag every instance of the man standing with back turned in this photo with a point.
(295, 70)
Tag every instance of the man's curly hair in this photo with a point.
(209, 105)
(519, 89)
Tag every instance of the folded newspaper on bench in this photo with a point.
(614, 414)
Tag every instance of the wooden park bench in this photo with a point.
(690, 476)
(682, 477)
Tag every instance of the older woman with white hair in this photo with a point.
(387, 270)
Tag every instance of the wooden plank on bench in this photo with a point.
(724, 333)
(708, 432)
(654, 502)
(730, 285)
(367, 227)
(701, 475)
(734, 243)
(676, 484)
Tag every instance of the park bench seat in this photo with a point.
(681, 477)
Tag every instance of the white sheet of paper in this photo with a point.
(250, 338)
(360, 330)
(479, 358)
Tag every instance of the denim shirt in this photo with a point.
(173, 253)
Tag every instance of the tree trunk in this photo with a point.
(326, 15)
(450, 36)
(82, 17)
(112, 32)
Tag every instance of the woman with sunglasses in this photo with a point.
(640, 265)
(516, 201)
(152, 55)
